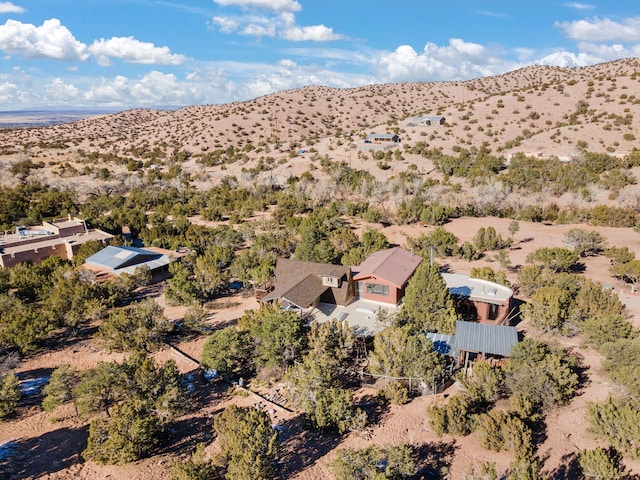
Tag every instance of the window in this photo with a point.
(493, 311)
(377, 289)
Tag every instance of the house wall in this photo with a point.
(36, 255)
(392, 297)
(483, 311)
(72, 228)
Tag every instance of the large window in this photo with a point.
(377, 289)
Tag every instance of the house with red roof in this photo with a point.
(379, 283)
(383, 276)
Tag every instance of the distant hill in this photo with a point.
(539, 110)
(43, 118)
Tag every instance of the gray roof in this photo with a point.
(477, 289)
(485, 338)
(382, 135)
(127, 259)
(442, 343)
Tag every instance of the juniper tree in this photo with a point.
(427, 305)
(248, 444)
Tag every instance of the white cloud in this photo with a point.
(282, 25)
(568, 59)
(579, 6)
(256, 30)
(50, 40)
(316, 33)
(59, 91)
(458, 60)
(8, 93)
(602, 30)
(275, 5)
(604, 52)
(8, 7)
(153, 89)
(131, 50)
(226, 24)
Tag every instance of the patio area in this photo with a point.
(362, 315)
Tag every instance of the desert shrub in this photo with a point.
(228, 351)
(488, 273)
(434, 213)
(454, 417)
(584, 242)
(395, 393)
(196, 467)
(556, 259)
(497, 430)
(469, 252)
(485, 385)
(129, 434)
(606, 216)
(279, 335)
(10, 394)
(374, 462)
(141, 327)
(623, 363)
(593, 300)
(541, 372)
(549, 308)
(616, 420)
(598, 330)
(444, 243)
(619, 255)
(487, 239)
(427, 304)
(409, 211)
(601, 464)
(248, 444)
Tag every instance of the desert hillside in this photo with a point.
(541, 111)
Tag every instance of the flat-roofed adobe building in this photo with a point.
(61, 238)
(480, 300)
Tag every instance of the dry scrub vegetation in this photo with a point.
(532, 180)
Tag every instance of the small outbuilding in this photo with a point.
(480, 300)
(427, 121)
(383, 138)
(484, 341)
(116, 260)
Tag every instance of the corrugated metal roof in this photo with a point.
(394, 265)
(485, 338)
(442, 343)
(123, 259)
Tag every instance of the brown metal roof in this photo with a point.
(300, 282)
(394, 265)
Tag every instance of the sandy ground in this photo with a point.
(495, 111)
(45, 449)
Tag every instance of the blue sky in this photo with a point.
(162, 53)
